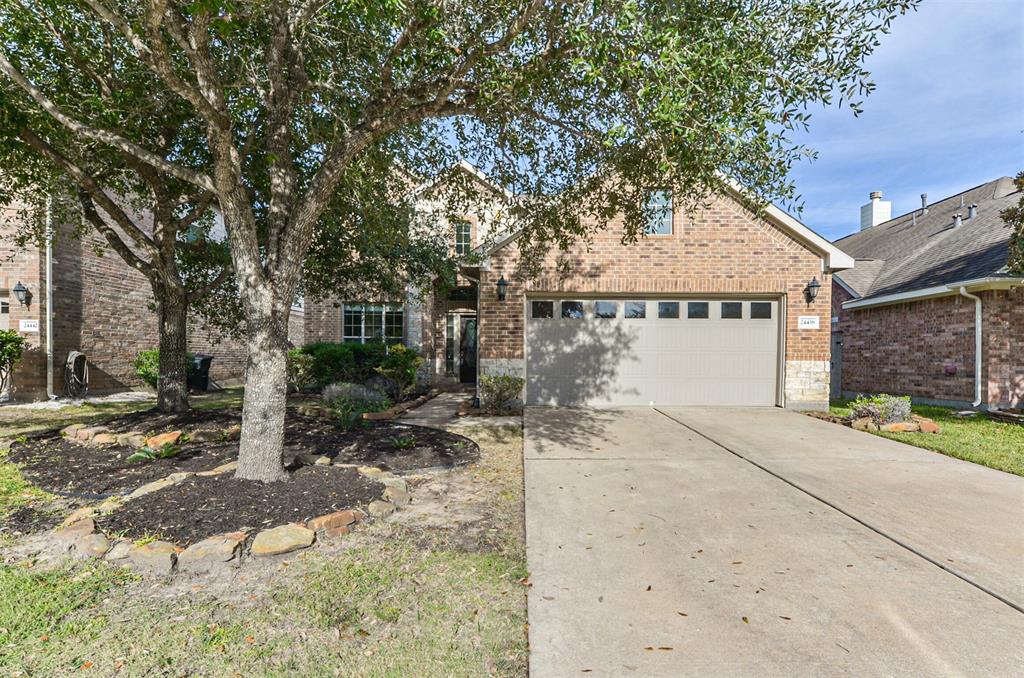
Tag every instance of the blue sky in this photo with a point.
(948, 114)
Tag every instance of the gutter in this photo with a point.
(977, 344)
(989, 283)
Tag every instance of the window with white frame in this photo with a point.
(659, 212)
(463, 237)
(364, 323)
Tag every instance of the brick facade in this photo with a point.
(101, 307)
(722, 249)
(925, 349)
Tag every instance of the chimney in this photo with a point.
(875, 212)
(924, 203)
(972, 210)
(958, 220)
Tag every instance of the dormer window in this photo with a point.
(463, 237)
(659, 212)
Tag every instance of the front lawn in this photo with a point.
(978, 439)
(438, 589)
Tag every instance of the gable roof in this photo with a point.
(918, 251)
(834, 258)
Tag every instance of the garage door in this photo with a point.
(651, 351)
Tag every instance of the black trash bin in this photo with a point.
(199, 376)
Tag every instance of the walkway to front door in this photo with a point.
(759, 541)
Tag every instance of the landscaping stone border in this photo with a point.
(79, 536)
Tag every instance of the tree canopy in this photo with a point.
(290, 109)
(1014, 218)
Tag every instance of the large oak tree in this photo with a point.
(585, 106)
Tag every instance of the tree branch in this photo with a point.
(92, 188)
(117, 141)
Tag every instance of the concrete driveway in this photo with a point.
(762, 542)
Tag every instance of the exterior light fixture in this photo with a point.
(811, 291)
(22, 294)
(502, 287)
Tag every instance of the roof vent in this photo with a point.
(972, 210)
(958, 220)
(875, 212)
(924, 203)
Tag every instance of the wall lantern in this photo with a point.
(502, 286)
(811, 291)
(22, 294)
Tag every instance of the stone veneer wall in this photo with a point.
(909, 349)
(722, 249)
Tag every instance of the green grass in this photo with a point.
(15, 491)
(39, 610)
(977, 439)
(395, 601)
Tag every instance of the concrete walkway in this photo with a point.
(439, 412)
(763, 542)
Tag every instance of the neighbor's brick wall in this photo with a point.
(722, 249)
(1004, 340)
(905, 349)
(27, 266)
(101, 308)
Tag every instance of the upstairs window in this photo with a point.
(463, 237)
(659, 212)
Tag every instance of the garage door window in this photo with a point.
(760, 310)
(668, 309)
(636, 310)
(606, 309)
(697, 310)
(543, 309)
(732, 310)
(572, 310)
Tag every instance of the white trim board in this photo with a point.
(975, 285)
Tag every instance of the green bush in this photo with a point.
(400, 366)
(882, 408)
(350, 401)
(500, 392)
(300, 369)
(147, 366)
(343, 362)
(12, 346)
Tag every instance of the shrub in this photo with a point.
(147, 366)
(400, 366)
(350, 401)
(882, 408)
(500, 392)
(300, 369)
(343, 362)
(12, 345)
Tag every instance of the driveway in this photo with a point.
(702, 541)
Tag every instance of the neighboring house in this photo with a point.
(930, 310)
(101, 307)
(708, 309)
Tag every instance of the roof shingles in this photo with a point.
(915, 251)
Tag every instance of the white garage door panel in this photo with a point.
(668, 361)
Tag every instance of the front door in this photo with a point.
(467, 349)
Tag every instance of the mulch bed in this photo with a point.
(29, 519)
(63, 466)
(200, 507)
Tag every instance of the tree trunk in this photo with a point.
(266, 384)
(172, 386)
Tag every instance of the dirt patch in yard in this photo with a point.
(69, 467)
(200, 507)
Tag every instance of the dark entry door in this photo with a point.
(467, 350)
(836, 388)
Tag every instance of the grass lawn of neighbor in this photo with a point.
(978, 439)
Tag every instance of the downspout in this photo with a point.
(977, 344)
(49, 298)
